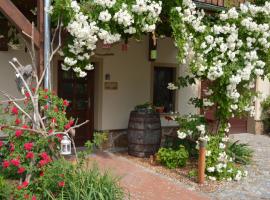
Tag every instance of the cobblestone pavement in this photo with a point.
(257, 185)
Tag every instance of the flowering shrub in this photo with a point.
(108, 21)
(29, 151)
(219, 165)
(231, 53)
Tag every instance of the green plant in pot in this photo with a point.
(146, 107)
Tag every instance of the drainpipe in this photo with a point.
(47, 42)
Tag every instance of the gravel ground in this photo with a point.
(255, 187)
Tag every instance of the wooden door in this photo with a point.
(80, 93)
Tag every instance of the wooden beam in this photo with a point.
(14, 15)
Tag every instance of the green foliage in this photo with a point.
(190, 145)
(173, 158)
(241, 153)
(147, 106)
(78, 184)
(5, 189)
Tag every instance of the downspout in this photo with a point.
(47, 42)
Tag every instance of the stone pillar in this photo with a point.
(263, 87)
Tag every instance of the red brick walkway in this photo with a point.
(143, 184)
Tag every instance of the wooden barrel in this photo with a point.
(144, 134)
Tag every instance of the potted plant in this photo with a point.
(147, 107)
(159, 107)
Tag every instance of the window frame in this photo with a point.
(165, 65)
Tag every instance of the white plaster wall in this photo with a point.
(132, 71)
(7, 75)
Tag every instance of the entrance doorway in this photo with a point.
(80, 93)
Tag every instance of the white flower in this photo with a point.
(208, 153)
(82, 74)
(201, 129)
(64, 67)
(211, 169)
(212, 178)
(123, 17)
(105, 16)
(77, 69)
(74, 5)
(89, 67)
(70, 61)
(238, 176)
(181, 134)
(222, 145)
(130, 30)
(171, 86)
(229, 179)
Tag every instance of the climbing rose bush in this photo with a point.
(109, 21)
(230, 54)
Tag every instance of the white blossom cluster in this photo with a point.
(229, 50)
(87, 29)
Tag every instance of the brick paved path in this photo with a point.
(143, 184)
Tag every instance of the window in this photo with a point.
(161, 95)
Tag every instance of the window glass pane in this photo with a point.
(162, 96)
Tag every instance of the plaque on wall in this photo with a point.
(111, 85)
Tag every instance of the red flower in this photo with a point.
(28, 146)
(45, 159)
(53, 120)
(26, 196)
(41, 173)
(46, 107)
(15, 162)
(66, 103)
(5, 164)
(17, 121)
(67, 126)
(46, 90)
(25, 126)
(71, 122)
(45, 96)
(34, 197)
(30, 155)
(11, 147)
(1, 143)
(50, 131)
(59, 136)
(14, 110)
(61, 184)
(23, 185)
(33, 89)
(27, 95)
(18, 133)
(21, 170)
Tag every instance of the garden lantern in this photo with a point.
(65, 146)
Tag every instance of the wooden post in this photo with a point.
(201, 163)
(14, 15)
(40, 25)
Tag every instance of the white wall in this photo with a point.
(132, 71)
(7, 75)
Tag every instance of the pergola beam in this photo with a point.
(14, 15)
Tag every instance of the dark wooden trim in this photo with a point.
(15, 16)
(40, 25)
